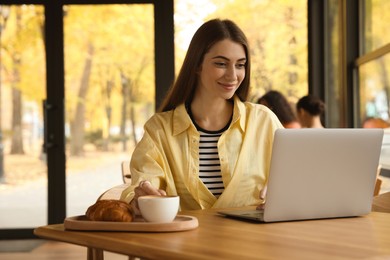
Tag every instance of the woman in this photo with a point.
(310, 109)
(275, 101)
(207, 144)
(375, 122)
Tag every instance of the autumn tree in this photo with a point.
(277, 33)
(4, 15)
(122, 40)
(22, 66)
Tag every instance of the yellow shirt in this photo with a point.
(168, 157)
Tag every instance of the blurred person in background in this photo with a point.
(310, 110)
(279, 104)
(373, 122)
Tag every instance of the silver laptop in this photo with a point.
(319, 173)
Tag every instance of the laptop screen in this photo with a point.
(322, 173)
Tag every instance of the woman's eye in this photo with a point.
(241, 66)
(220, 64)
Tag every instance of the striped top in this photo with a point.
(209, 163)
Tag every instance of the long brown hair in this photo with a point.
(279, 104)
(211, 32)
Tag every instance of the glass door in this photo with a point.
(109, 94)
(77, 84)
(23, 171)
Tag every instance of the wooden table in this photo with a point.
(223, 238)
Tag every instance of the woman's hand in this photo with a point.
(144, 188)
(262, 196)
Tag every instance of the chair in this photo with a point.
(115, 192)
(126, 174)
(378, 185)
(378, 182)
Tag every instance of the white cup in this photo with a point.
(159, 208)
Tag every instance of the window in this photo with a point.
(143, 50)
(374, 63)
(375, 31)
(23, 169)
(374, 88)
(109, 94)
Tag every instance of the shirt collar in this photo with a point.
(182, 121)
(239, 113)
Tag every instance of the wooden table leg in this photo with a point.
(98, 254)
(95, 254)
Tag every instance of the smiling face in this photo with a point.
(222, 70)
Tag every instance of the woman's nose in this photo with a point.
(231, 73)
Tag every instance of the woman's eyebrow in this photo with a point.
(225, 58)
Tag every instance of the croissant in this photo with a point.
(110, 210)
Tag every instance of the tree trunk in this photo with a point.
(17, 128)
(132, 116)
(132, 113)
(77, 125)
(292, 43)
(125, 96)
(108, 109)
(4, 18)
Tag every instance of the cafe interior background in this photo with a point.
(80, 78)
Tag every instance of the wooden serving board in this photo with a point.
(180, 223)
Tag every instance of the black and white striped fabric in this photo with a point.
(209, 164)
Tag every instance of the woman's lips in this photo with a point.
(228, 86)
